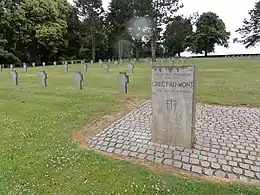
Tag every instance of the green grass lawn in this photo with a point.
(38, 156)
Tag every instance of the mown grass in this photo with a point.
(38, 155)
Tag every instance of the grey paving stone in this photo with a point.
(231, 176)
(133, 154)
(167, 161)
(208, 171)
(125, 153)
(110, 149)
(159, 154)
(215, 165)
(226, 168)
(249, 173)
(186, 167)
(205, 163)
(118, 151)
(158, 160)
(150, 158)
(237, 170)
(194, 161)
(220, 174)
(232, 163)
(196, 169)
(177, 164)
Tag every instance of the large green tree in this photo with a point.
(5, 26)
(176, 34)
(161, 13)
(92, 13)
(210, 31)
(250, 30)
(120, 12)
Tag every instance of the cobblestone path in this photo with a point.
(227, 142)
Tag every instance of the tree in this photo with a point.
(118, 17)
(250, 30)
(139, 26)
(176, 35)
(74, 36)
(91, 11)
(210, 30)
(161, 13)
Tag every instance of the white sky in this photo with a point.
(232, 12)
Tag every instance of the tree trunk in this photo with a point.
(179, 54)
(138, 45)
(93, 44)
(153, 48)
(206, 53)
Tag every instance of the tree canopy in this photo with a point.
(210, 31)
(250, 30)
(51, 30)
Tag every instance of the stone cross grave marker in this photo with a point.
(1, 68)
(131, 68)
(14, 75)
(11, 66)
(173, 105)
(54, 63)
(43, 78)
(85, 67)
(66, 67)
(33, 64)
(78, 80)
(107, 68)
(25, 67)
(123, 80)
(43, 64)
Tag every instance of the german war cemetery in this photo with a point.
(127, 98)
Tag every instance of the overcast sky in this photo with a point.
(232, 12)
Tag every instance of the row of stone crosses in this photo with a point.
(123, 77)
(85, 65)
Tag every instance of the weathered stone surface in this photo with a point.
(132, 135)
(78, 80)
(173, 105)
(14, 75)
(123, 80)
(43, 78)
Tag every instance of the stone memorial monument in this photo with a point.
(85, 68)
(14, 75)
(25, 67)
(33, 64)
(173, 105)
(123, 80)
(11, 66)
(131, 68)
(78, 80)
(107, 68)
(43, 78)
(100, 62)
(43, 64)
(54, 63)
(91, 61)
(1, 68)
(66, 67)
